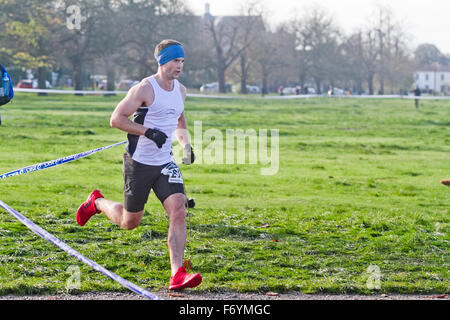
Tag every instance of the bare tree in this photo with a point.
(369, 58)
(302, 50)
(146, 24)
(383, 29)
(361, 52)
(252, 25)
(273, 54)
(317, 46)
(391, 46)
(401, 61)
(354, 60)
(229, 39)
(78, 38)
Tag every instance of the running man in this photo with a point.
(157, 106)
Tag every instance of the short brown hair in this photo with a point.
(164, 44)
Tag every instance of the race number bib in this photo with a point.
(173, 172)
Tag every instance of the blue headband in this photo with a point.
(170, 53)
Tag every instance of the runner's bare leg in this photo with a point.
(174, 206)
(117, 213)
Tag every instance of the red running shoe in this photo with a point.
(88, 209)
(182, 280)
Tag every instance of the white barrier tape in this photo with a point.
(57, 242)
(390, 96)
(67, 91)
(211, 96)
(196, 95)
(88, 92)
(53, 163)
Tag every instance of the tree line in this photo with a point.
(117, 38)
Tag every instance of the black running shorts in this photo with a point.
(140, 178)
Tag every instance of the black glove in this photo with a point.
(157, 136)
(189, 156)
(191, 203)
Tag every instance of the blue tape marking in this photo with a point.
(53, 163)
(57, 242)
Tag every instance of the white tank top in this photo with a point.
(163, 115)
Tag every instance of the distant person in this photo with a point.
(280, 90)
(417, 93)
(330, 91)
(297, 90)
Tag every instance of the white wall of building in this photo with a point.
(437, 81)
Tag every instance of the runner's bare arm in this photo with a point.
(140, 94)
(181, 132)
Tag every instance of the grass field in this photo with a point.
(357, 189)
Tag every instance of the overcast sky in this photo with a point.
(428, 21)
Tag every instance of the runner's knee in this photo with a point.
(178, 214)
(131, 220)
(130, 225)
